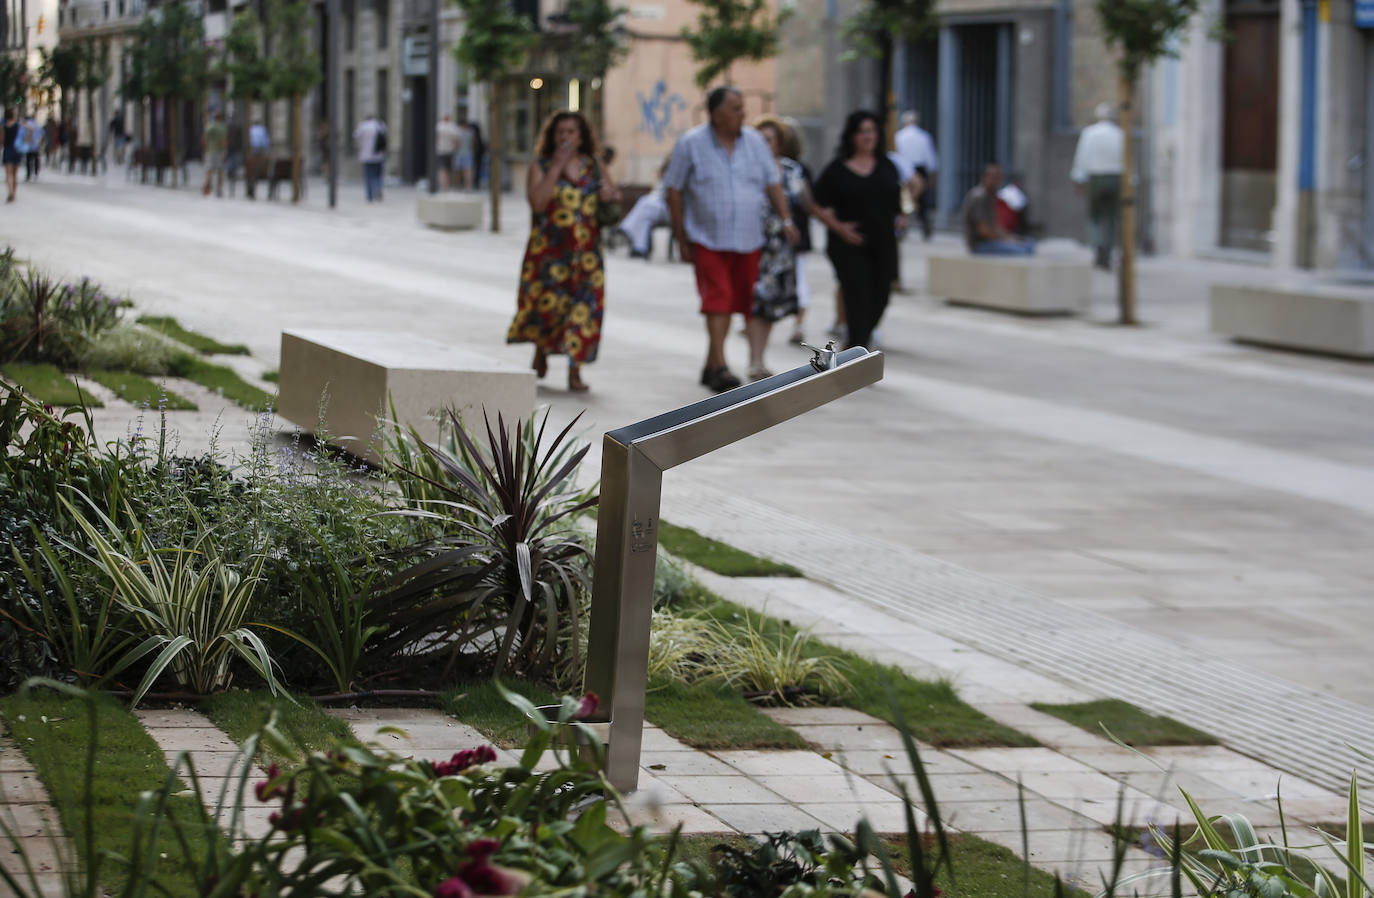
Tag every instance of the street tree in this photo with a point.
(14, 79)
(494, 43)
(245, 67)
(599, 44)
(1141, 32)
(874, 32)
(293, 69)
(94, 72)
(169, 51)
(59, 71)
(729, 31)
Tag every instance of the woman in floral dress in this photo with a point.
(562, 282)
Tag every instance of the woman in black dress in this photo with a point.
(10, 155)
(862, 189)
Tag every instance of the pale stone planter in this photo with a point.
(350, 378)
(449, 211)
(1297, 314)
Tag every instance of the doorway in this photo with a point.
(1250, 124)
(975, 121)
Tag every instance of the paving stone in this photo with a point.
(760, 818)
(779, 763)
(711, 790)
(848, 737)
(843, 816)
(825, 788)
(820, 716)
(984, 817)
(684, 763)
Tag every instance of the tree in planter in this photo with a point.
(293, 69)
(729, 31)
(245, 66)
(173, 64)
(493, 45)
(1141, 31)
(94, 72)
(874, 32)
(598, 47)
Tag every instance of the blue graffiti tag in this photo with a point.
(656, 110)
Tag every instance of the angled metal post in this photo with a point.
(633, 460)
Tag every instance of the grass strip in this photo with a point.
(712, 715)
(932, 708)
(480, 705)
(717, 556)
(226, 382)
(241, 714)
(165, 324)
(44, 382)
(54, 732)
(1127, 722)
(138, 389)
(272, 377)
(982, 869)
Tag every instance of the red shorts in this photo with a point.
(725, 280)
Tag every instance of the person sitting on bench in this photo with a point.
(983, 233)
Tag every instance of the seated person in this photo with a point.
(983, 232)
(649, 211)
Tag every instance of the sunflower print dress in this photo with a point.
(562, 283)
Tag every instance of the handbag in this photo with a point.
(608, 215)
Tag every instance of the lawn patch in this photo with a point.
(1127, 722)
(273, 376)
(711, 715)
(305, 724)
(226, 382)
(480, 705)
(54, 732)
(47, 384)
(982, 869)
(139, 390)
(717, 556)
(202, 344)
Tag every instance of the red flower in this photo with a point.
(464, 759)
(587, 707)
(268, 788)
(454, 888)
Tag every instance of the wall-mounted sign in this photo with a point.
(1364, 13)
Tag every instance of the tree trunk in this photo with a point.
(95, 155)
(172, 142)
(887, 102)
(1126, 285)
(297, 141)
(496, 148)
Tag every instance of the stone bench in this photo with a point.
(1028, 285)
(1297, 314)
(360, 373)
(449, 211)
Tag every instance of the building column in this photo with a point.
(1287, 231)
(946, 200)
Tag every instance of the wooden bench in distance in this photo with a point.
(1297, 313)
(449, 211)
(1028, 285)
(359, 373)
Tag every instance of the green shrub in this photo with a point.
(199, 342)
(128, 348)
(43, 320)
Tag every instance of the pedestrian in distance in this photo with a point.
(50, 139)
(1097, 172)
(10, 154)
(118, 136)
(214, 142)
(31, 144)
(465, 156)
(648, 212)
(479, 155)
(562, 280)
(914, 144)
(259, 155)
(720, 178)
(983, 232)
(862, 188)
(370, 139)
(445, 146)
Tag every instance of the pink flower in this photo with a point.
(267, 788)
(453, 888)
(464, 759)
(587, 706)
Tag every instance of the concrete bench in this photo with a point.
(360, 373)
(1029, 285)
(1297, 314)
(449, 211)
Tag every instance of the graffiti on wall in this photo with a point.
(656, 111)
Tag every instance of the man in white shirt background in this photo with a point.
(1097, 172)
(914, 144)
(370, 137)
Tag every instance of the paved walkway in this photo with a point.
(1043, 510)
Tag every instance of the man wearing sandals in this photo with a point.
(719, 178)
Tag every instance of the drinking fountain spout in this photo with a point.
(824, 359)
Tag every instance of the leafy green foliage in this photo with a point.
(717, 556)
(47, 383)
(14, 78)
(243, 63)
(307, 727)
(294, 66)
(1127, 723)
(871, 31)
(482, 704)
(1141, 31)
(505, 582)
(598, 46)
(128, 348)
(728, 31)
(59, 70)
(169, 326)
(494, 39)
(983, 869)
(172, 58)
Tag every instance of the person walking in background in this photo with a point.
(259, 154)
(916, 146)
(1097, 170)
(648, 212)
(31, 140)
(10, 154)
(118, 136)
(322, 142)
(562, 280)
(445, 146)
(801, 217)
(370, 139)
(479, 155)
(862, 190)
(719, 179)
(464, 156)
(983, 232)
(50, 135)
(214, 142)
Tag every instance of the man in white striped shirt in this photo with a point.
(1097, 171)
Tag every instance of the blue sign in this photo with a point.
(1364, 13)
